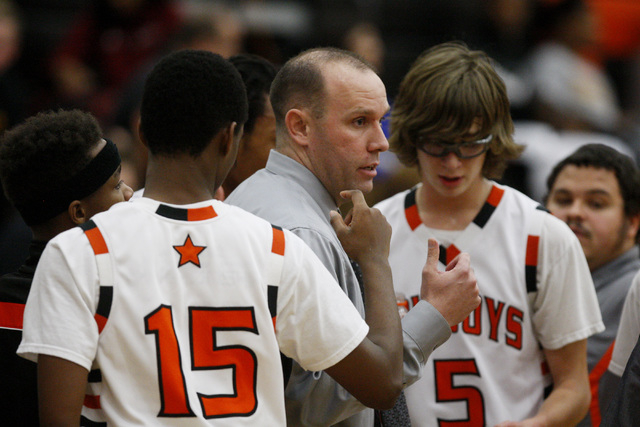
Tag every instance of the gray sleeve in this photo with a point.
(423, 330)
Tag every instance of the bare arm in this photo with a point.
(569, 401)
(61, 390)
(373, 371)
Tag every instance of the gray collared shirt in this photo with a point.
(612, 282)
(289, 195)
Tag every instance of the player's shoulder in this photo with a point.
(394, 203)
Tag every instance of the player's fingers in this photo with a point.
(433, 253)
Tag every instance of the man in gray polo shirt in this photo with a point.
(596, 191)
(328, 105)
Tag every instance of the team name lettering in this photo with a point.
(502, 317)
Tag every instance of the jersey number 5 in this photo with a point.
(445, 371)
(205, 355)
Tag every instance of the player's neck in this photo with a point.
(178, 180)
(451, 213)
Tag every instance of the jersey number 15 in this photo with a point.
(205, 355)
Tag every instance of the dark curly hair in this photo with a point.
(600, 156)
(257, 74)
(189, 97)
(44, 151)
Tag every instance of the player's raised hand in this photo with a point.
(364, 233)
(454, 292)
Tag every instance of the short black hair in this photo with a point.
(602, 156)
(257, 74)
(44, 151)
(189, 97)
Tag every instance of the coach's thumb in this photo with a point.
(433, 255)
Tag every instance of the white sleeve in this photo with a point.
(58, 318)
(629, 329)
(317, 325)
(565, 308)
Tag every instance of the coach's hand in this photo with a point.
(453, 292)
(364, 233)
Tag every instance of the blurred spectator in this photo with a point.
(206, 28)
(505, 34)
(619, 39)
(13, 89)
(572, 92)
(15, 235)
(109, 42)
(546, 146)
(365, 39)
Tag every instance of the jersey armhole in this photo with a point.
(534, 229)
(105, 272)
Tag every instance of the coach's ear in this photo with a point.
(297, 122)
(77, 212)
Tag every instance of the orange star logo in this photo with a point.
(189, 252)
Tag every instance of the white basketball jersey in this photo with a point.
(202, 300)
(492, 368)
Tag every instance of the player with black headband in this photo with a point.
(58, 171)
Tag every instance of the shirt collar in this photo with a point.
(289, 168)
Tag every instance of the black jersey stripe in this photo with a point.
(180, 214)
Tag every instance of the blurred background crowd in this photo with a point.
(572, 67)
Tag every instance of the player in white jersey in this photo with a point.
(173, 310)
(451, 120)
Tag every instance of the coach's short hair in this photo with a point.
(300, 82)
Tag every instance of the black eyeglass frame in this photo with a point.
(455, 148)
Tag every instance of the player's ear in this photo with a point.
(77, 212)
(141, 135)
(229, 138)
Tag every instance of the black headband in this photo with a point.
(85, 182)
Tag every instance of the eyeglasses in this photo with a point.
(464, 150)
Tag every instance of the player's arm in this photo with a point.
(569, 401)
(61, 390)
(373, 371)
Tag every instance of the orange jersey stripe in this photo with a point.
(101, 321)
(594, 383)
(495, 196)
(96, 240)
(201, 214)
(11, 315)
(92, 402)
(413, 217)
(277, 246)
(452, 252)
(532, 250)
